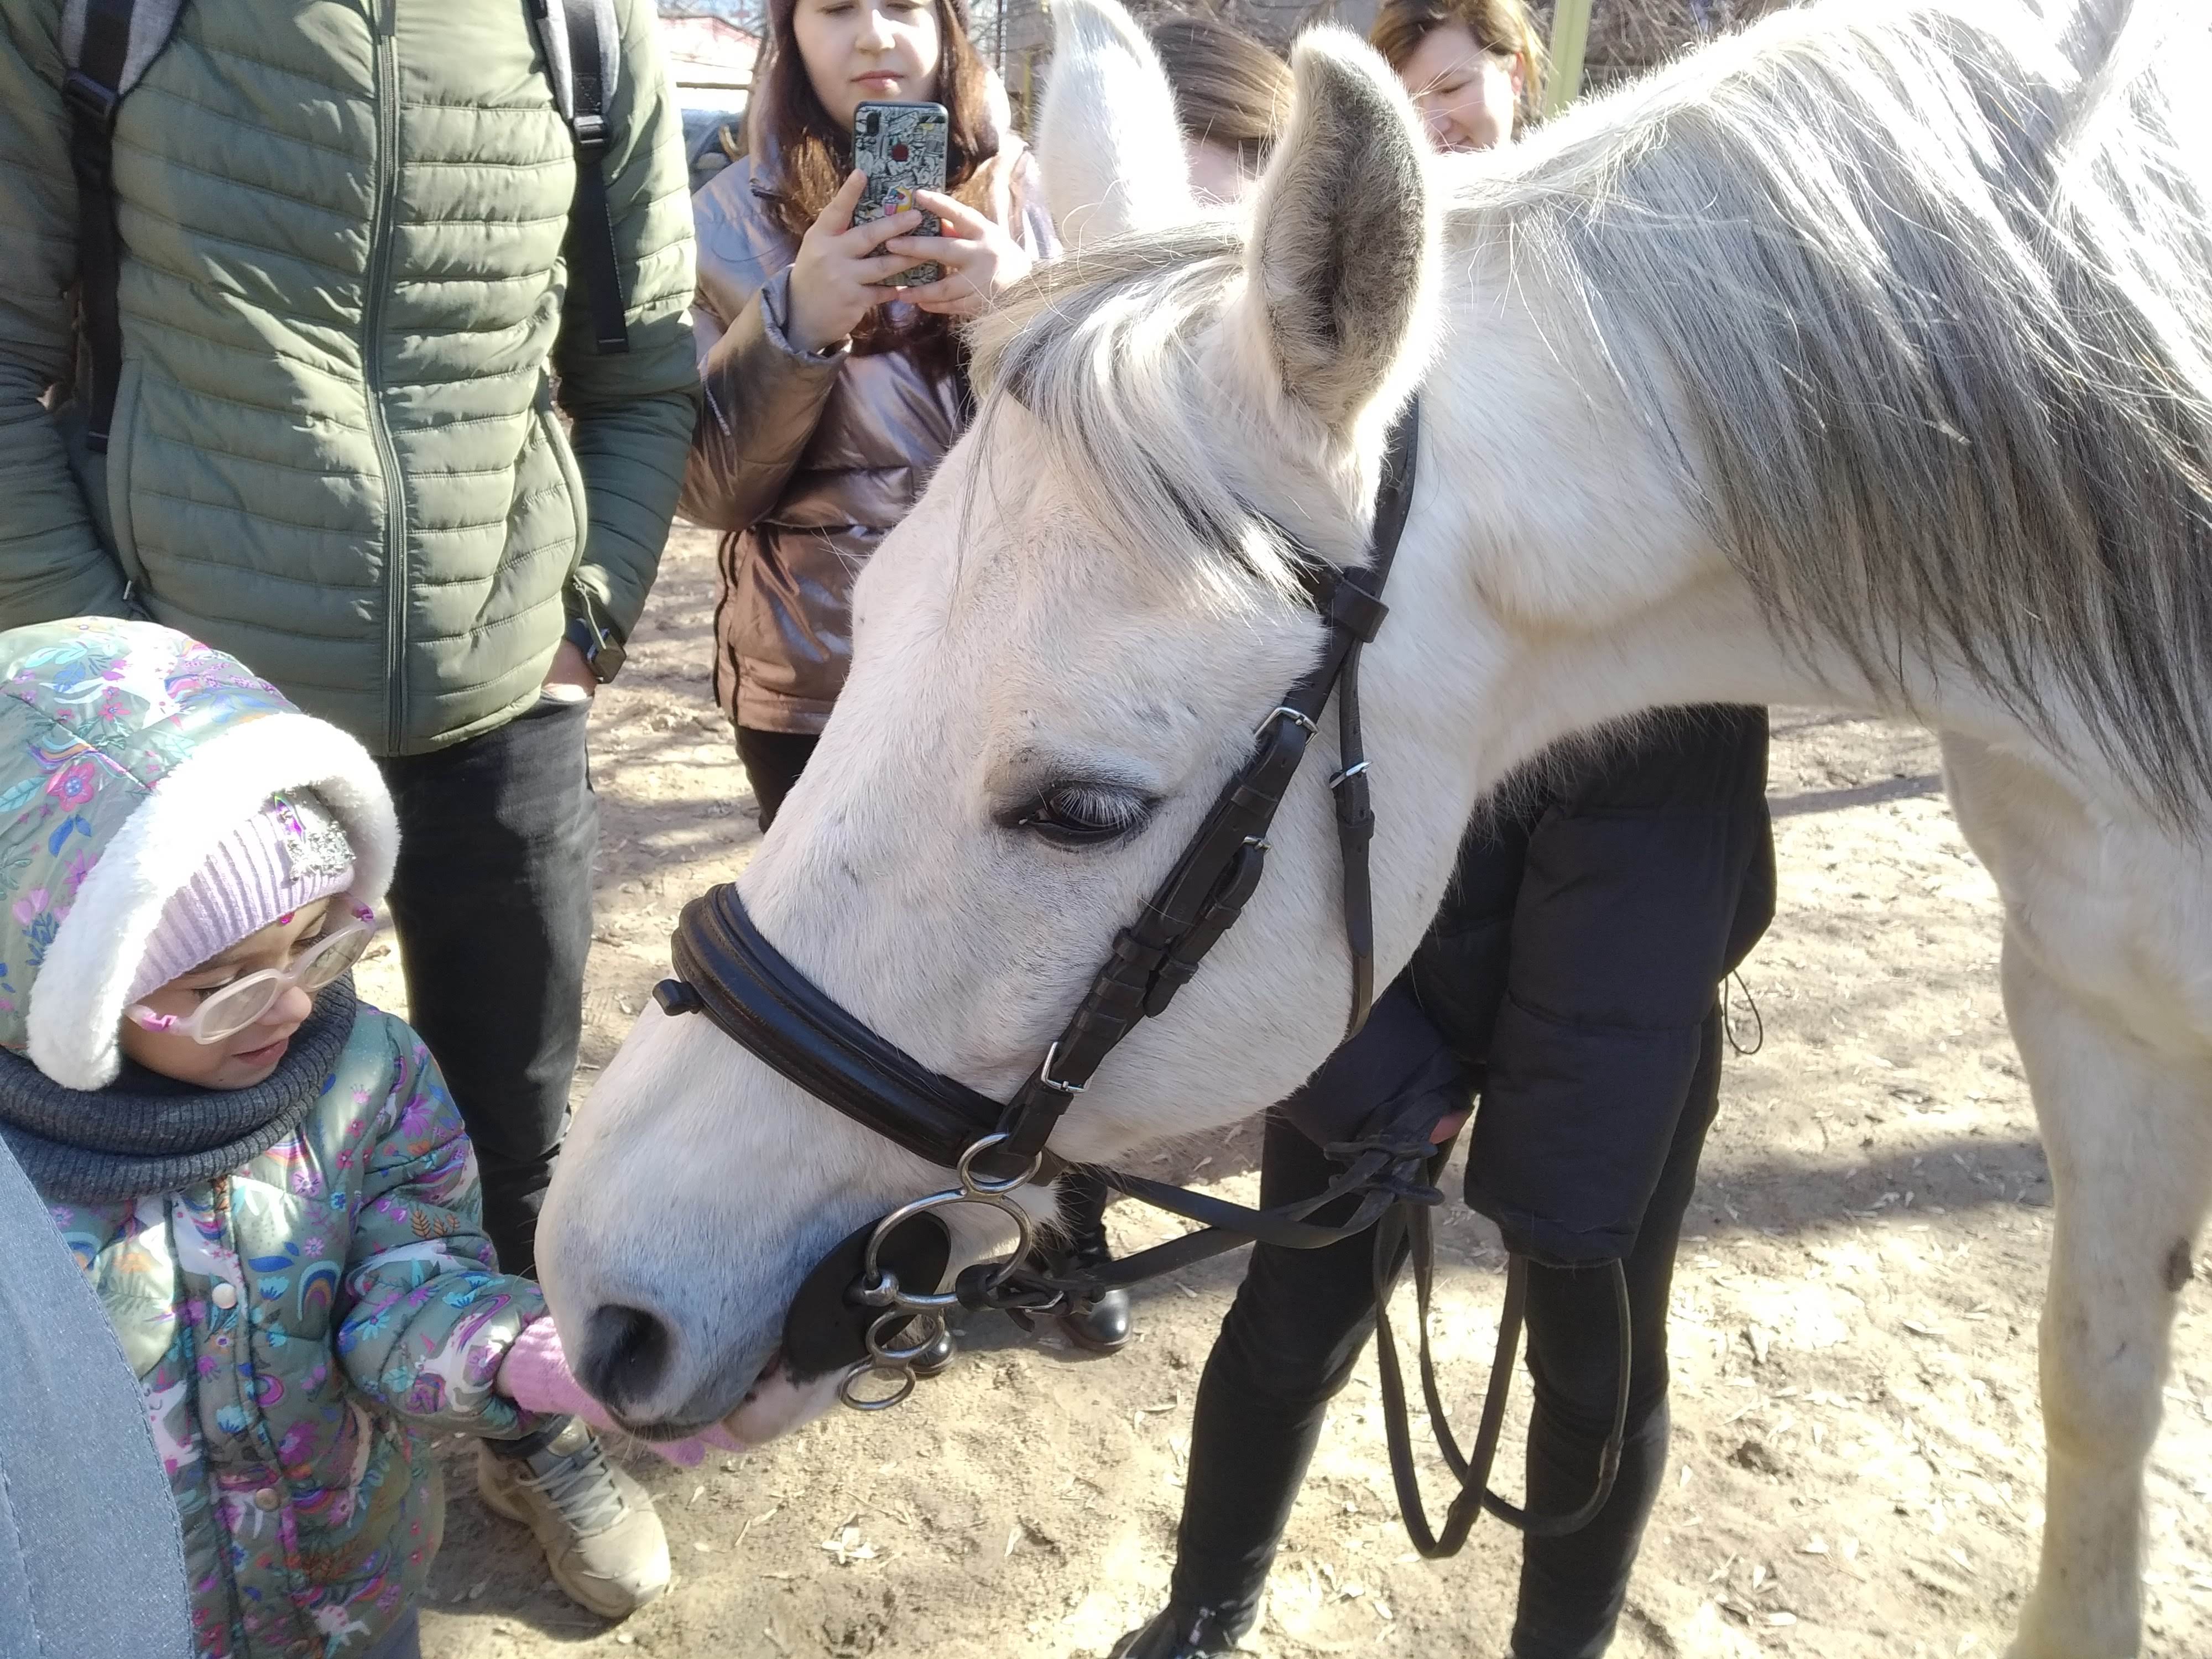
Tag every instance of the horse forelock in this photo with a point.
(1111, 351)
(1925, 318)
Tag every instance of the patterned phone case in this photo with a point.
(901, 147)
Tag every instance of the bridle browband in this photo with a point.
(854, 1310)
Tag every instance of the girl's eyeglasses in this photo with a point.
(230, 1011)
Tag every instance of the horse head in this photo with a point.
(1059, 658)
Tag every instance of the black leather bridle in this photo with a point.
(859, 1309)
(742, 982)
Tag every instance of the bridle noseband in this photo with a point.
(871, 1305)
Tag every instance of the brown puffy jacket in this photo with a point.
(811, 458)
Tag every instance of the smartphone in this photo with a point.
(901, 147)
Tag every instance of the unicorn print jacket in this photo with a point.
(299, 1327)
(298, 1316)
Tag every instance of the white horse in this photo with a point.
(1866, 357)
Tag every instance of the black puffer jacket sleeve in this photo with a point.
(1577, 960)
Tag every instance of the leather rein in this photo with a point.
(870, 1307)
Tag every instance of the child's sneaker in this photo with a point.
(600, 1534)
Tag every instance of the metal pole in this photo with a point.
(1570, 36)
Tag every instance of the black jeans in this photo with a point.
(1299, 1322)
(493, 906)
(773, 762)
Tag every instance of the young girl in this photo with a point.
(830, 399)
(265, 1179)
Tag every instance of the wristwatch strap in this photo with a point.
(601, 649)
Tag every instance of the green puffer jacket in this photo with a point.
(345, 309)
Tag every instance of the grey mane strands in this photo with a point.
(1938, 340)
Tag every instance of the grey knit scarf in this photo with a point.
(144, 1134)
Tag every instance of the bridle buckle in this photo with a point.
(1283, 711)
(1046, 1078)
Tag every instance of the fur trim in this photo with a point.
(77, 1003)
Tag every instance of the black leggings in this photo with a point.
(773, 762)
(1298, 1324)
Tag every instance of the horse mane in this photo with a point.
(1917, 296)
(1926, 318)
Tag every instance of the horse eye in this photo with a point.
(1084, 814)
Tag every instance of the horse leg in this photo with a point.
(2129, 1133)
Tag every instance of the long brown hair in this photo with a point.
(1228, 89)
(811, 157)
(1496, 25)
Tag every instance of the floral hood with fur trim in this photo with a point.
(126, 749)
(301, 1324)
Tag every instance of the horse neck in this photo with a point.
(1557, 541)
(1553, 561)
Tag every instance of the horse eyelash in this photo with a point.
(1102, 804)
(1114, 806)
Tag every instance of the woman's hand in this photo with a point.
(833, 278)
(979, 256)
(570, 678)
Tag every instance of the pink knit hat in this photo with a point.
(287, 854)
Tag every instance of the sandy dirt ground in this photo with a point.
(1858, 1454)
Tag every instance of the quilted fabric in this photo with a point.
(301, 1328)
(336, 452)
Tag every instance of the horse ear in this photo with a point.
(1342, 264)
(1108, 142)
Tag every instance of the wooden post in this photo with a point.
(1570, 36)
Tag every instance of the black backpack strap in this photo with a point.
(592, 253)
(93, 92)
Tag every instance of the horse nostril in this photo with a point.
(625, 1355)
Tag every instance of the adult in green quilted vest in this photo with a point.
(364, 441)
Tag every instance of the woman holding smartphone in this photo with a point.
(830, 397)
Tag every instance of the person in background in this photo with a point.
(1569, 982)
(1474, 68)
(265, 1180)
(712, 140)
(831, 398)
(1231, 98)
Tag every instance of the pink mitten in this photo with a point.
(535, 1375)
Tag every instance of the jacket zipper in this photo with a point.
(383, 32)
(254, 1433)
